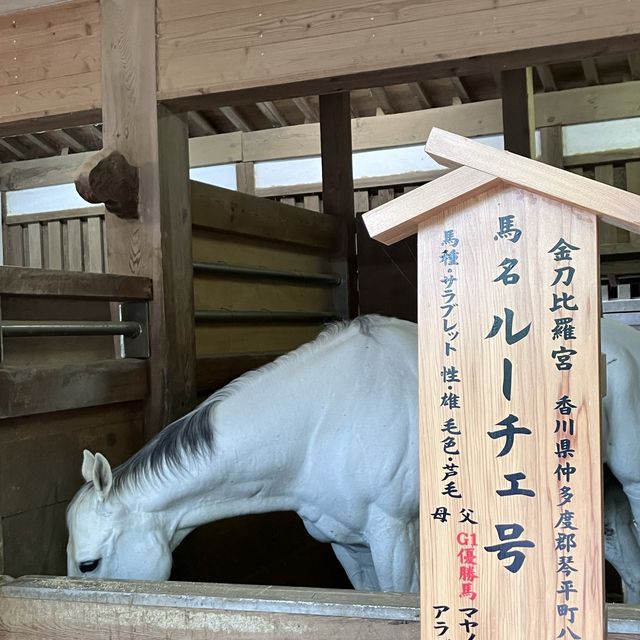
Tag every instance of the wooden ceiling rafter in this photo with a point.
(381, 98)
(420, 93)
(198, 121)
(590, 70)
(460, 89)
(546, 77)
(272, 113)
(307, 109)
(235, 118)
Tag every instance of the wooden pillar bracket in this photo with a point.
(107, 177)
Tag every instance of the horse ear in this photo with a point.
(102, 476)
(88, 461)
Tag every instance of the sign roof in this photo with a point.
(482, 167)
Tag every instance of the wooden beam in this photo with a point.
(12, 149)
(337, 191)
(381, 98)
(36, 141)
(590, 71)
(232, 115)
(460, 89)
(258, 60)
(518, 112)
(418, 90)
(272, 113)
(66, 139)
(308, 110)
(21, 281)
(68, 608)
(571, 106)
(546, 77)
(199, 121)
(218, 209)
(158, 243)
(44, 389)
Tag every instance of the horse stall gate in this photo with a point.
(264, 283)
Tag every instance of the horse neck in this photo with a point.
(252, 467)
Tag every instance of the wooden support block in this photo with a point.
(107, 177)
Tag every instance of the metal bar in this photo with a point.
(225, 316)
(221, 268)
(29, 328)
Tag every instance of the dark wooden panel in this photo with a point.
(388, 276)
(213, 372)
(43, 389)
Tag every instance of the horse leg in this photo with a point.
(394, 548)
(620, 544)
(358, 564)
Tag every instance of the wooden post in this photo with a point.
(337, 188)
(517, 111)
(510, 453)
(551, 149)
(246, 177)
(157, 243)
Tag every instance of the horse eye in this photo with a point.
(89, 565)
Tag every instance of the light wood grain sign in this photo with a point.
(510, 420)
(511, 540)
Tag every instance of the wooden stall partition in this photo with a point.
(263, 283)
(58, 396)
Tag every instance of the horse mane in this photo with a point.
(193, 434)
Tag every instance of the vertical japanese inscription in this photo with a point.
(564, 307)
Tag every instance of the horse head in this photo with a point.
(108, 537)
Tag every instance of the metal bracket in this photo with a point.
(137, 347)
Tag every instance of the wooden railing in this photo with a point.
(71, 240)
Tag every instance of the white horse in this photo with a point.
(328, 431)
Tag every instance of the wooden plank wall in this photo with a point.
(71, 240)
(206, 47)
(50, 60)
(242, 230)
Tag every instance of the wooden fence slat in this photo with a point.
(13, 250)
(54, 245)
(312, 203)
(34, 245)
(74, 246)
(93, 248)
(361, 201)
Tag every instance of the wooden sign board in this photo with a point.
(511, 473)
(511, 525)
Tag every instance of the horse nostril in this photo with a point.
(89, 565)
